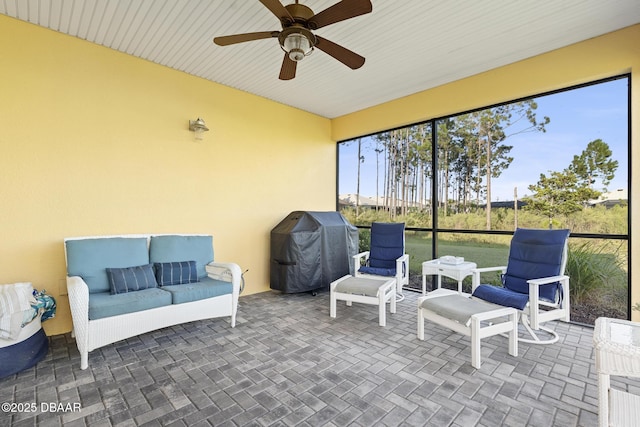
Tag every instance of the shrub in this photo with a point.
(597, 274)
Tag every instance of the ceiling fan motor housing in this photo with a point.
(299, 12)
(295, 38)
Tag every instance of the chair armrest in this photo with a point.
(78, 292)
(489, 269)
(547, 280)
(475, 278)
(534, 296)
(402, 266)
(357, 260)
(78, 297)
(227, 272)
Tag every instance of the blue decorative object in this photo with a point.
(30, 350)
(46, 303)
(175, 273)
(122, 280)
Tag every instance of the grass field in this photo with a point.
(483, 254)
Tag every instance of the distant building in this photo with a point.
(611, 198)
(363, 201)
(506, 204)
(350, 199)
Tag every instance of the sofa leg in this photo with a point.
(84, 360)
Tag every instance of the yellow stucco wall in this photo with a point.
(609, 55)
(95, 142)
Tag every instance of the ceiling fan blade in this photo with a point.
(278, 10)
(340, 11)
(288, 69)
(342, 54)
(246, 37)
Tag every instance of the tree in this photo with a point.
(560, 193)
(378, 150)
(360, 160)
(495, 126)
(595, 163)
(570, 190)
(481, 136)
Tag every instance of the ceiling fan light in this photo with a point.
(297, 46)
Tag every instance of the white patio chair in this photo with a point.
(386, 256)
(533, 281)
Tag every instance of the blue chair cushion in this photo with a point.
(176, 273)
(534, 254)
(387, 245)
(130, 279)
(378, 271)
(205, 288)
(502, 296)
(103, 304)
(172, 248)
(89, 258)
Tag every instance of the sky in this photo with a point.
(577, 117)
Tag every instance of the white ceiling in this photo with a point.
(409, 45)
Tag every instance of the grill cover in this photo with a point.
(309, 250)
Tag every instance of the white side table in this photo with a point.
(617, 345)
(454, 271)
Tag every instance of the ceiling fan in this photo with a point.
(297, 39)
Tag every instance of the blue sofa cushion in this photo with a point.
(89, 258)
(103, 304)
(176, 273)
(205, 288)
(172, 248)
(129, 279)
(502, 296)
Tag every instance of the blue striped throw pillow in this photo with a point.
(176, 273)
(122, 280)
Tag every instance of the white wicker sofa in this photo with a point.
(113, 296)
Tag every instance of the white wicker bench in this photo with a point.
(89, 257)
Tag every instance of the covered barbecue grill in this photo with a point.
(309, 250)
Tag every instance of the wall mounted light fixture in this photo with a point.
(199, 127)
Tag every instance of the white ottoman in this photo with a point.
(366, 291)
(474, 318)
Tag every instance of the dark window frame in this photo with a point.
(435, 230)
